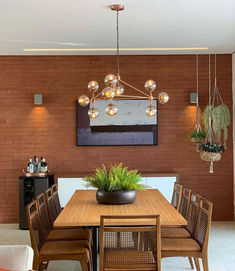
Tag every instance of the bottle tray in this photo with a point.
(37, 174)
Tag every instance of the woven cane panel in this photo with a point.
(52, 210)
(184, 206)
(44, 219)
(129, 248)
(57, 203)
(37, 231)
(202, 225)
(175, 199)
(192, 218)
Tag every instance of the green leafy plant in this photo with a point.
(198, 134)
(220, 116)
(118, 178)
(211, 147)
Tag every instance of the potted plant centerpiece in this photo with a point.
(118, 186)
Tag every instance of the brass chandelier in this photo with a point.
(114, 88)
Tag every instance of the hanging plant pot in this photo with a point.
(197, 140)
(211, 152)
(198, 136)
(210, 156)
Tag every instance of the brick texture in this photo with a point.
(50, 130)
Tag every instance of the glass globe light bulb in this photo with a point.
(93, 86)
(111, 110)
(163, 98)
(110, 80)
(119, 89)
(93, 113)
(83, 100)
(150, 85)
(108, 93)
(151, 110)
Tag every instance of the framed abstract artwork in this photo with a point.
(131, 126)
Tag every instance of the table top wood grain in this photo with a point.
(84, 210)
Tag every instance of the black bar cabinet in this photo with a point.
(29, 189)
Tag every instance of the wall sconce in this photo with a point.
(193, 98)
(38, 99)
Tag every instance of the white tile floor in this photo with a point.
(221, 249)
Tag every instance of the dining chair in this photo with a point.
(55, 195)
(188, 206)
(197, 245)
(45, 251)
(188, 230)
(120, 251)
(58, 234)
(176, 196)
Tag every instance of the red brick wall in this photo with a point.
(51, 130)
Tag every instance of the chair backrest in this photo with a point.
(43, 213)
(56, 199)
(130, 247)
(185, 200)
(35, 228)
(50, 206)
(193, 213)
(176, 196)
(202, 231)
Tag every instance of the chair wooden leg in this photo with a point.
(205, 263)
(83, 263)
(197, 264)
(46, 265)
(191, 262)
(35, 264)
(41, 267)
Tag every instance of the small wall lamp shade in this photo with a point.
(193, 98)
(38, 99)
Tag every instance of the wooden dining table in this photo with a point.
(83, 210)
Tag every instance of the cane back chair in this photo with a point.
(120, 249)
(196, 246)
(45, 251)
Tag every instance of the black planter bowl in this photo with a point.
(116, 197)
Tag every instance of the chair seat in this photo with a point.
(69, 234)
(119, 257)
(179, 244)
(58, 248)
(174, 233)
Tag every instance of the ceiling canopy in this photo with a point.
(87, 27)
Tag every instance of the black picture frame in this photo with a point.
(114, 135)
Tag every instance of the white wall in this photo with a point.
(233, 59)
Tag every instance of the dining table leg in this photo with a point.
(94, 249)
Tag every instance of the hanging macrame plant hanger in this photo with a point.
(211, 156)
(197, 128)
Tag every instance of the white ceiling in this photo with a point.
(90, 24)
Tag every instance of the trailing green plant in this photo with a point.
(118, 178)
(198, 134)
(220, 121)
(211, 147)
(206, 114)
(220, 116)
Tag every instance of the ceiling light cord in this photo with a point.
(117, 22)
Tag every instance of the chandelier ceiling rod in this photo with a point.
(118, 74)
